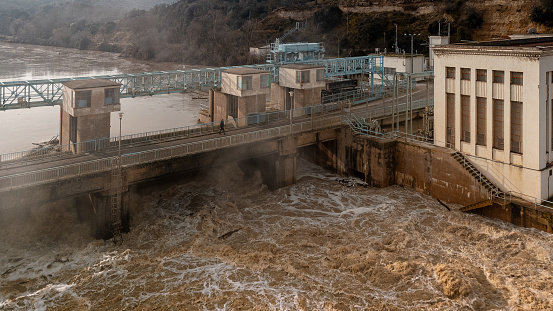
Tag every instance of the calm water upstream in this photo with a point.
(23, 127)
(223, 241)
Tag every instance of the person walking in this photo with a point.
(222, 127)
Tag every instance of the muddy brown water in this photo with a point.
(224, 242)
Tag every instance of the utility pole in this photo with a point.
(396, 49)
(291, 108)
(412, 35)
(347, 24)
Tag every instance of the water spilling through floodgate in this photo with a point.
(222, 241)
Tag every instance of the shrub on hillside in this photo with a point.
(473, 20)
(327, 18)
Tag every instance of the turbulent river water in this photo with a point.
(223, 241)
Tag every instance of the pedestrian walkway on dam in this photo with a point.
(42, 169)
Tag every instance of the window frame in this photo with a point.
(516, 126)
(83, 95)
(114, 97)
(498, 76)
(498, 119)
(319, 76)
(450, 118)
(465, 74)
(465, 118)
(244, 80)
(516, 79)
(450, 72)
(481, 120)
(482, 75)
(302, 76)
(264, 84)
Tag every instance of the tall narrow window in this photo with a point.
(481, 75)
(450, 127)
(302, 76)
(481, 117)
(244, 82)
(465, 118)
(498, 76)
(465, 73)
(232, 105)
(498, 124)
(516, 78)
(450, 72)
(516, 127)
(72, 129)
(83, 99)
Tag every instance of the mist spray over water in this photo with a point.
(223, 241)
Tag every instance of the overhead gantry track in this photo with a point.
(48, 92)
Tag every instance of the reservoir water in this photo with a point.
(223, 241)
(22, 128)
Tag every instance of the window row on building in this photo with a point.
(498, 122)
(246, 82)
(83, 99)
(498, 76)
(302, 76)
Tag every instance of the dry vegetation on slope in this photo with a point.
(220, 32)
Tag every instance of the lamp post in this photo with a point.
(291, 107)
(119, 154)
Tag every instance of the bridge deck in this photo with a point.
(27, 173)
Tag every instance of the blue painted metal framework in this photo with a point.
(47, 92)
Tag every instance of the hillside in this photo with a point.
(33, 5)
(220, 32)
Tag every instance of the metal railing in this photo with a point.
(330, 103)
(494, 193)
(137, 138)
(105, 164)
(47, 92)
(359, 127)
(511, 196)
(176, 133)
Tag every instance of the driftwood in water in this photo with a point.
(444, 205)
(228, 234)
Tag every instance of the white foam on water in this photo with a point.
(318, 244)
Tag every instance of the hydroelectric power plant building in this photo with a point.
(493, 102)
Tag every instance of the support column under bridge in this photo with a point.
(277, 169)
(96, 208)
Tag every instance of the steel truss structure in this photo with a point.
(47, 92)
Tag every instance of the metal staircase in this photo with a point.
(483, 180)
(477, 205)
(291, 31)
(115, 195)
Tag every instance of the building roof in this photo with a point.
(245, 71)
(529, 47)
(302, 66)
(90, 83)
(536, 42)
